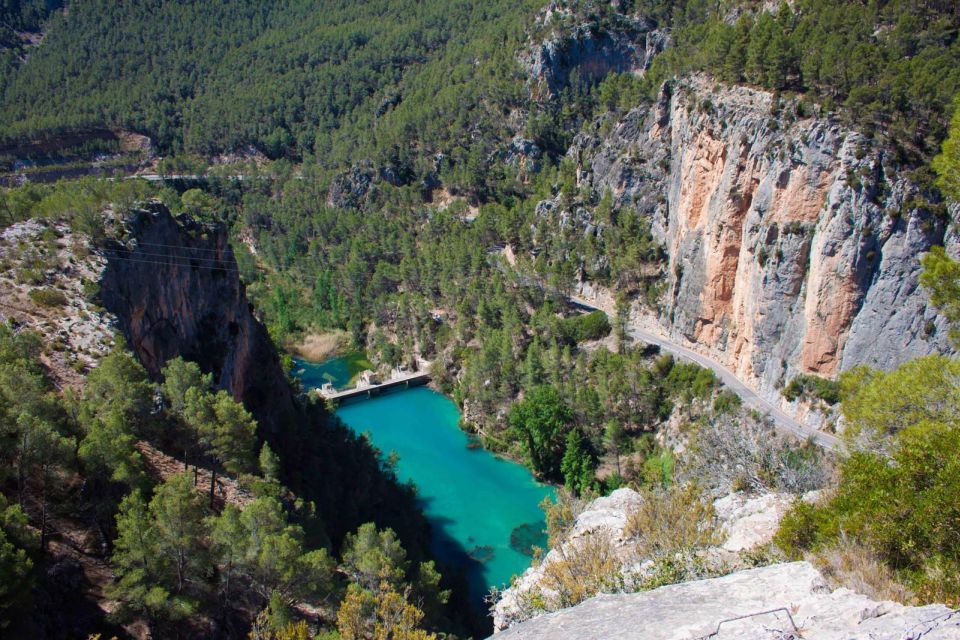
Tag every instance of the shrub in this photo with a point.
(809, 386)
(48, 297)
(689, 381)
(743, 451)
(900, 506)
(726, 402)
(590, 326)
(586, 567)
(679, 520)
(28, 275)
(851, 565)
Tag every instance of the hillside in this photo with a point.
(333, 82)
(691, 262)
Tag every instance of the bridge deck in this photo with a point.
(409, 379)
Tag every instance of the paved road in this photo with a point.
(751, 398)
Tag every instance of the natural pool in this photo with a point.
(338, 371)
(484, 510)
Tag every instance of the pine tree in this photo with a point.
(578, 465)
(947, 164)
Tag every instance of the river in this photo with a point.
(483, 509)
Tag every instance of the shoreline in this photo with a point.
(468, 429)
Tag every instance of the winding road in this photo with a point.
(751, 399)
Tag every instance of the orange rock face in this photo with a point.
(720, 174)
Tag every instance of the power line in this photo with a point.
(140, 243)
(134, 254)
(173, 262)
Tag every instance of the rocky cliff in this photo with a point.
(789, 600)
(584, 54)
(793, 242)
(175, 290)
(777, 602)
(743, 522)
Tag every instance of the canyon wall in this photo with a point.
(793, 242)
(175, 290)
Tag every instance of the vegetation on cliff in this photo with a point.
(187, 559)
(896, 495)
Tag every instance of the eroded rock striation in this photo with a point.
(794, 243)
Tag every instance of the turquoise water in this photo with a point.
(339, 371)
(484, 510)
(316, 375)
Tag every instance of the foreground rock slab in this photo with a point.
(794, 595)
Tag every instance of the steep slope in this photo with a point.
(174, 288)
(793, 242)
(175, 291)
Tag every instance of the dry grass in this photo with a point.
(847, 564)
(586, 567)
(317, 347)
(678, 520)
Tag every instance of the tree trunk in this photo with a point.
(213, 480)
(43, 514)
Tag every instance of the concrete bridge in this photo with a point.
(368, 385)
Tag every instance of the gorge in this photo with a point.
(683, 276)
(484, 511)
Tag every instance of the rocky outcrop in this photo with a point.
(47, 285)
(584, 54)
(744, 522)
(780, 601)
(793, 242)
(175, 291)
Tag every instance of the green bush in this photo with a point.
(899, 498)
(688, 380)
(591, 326)
(725, 402)
(809, 386)
(48, 297)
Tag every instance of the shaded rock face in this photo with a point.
(175, 291)
(589, 51)
(793, 243)
(796, 590)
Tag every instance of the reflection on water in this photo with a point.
(484, 510)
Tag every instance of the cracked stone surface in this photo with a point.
(696, 609)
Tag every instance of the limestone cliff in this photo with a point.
(560, 56)
(173, 287)
(175, 291)
(794, 242)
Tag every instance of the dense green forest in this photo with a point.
(430, 91)
(332, 81)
